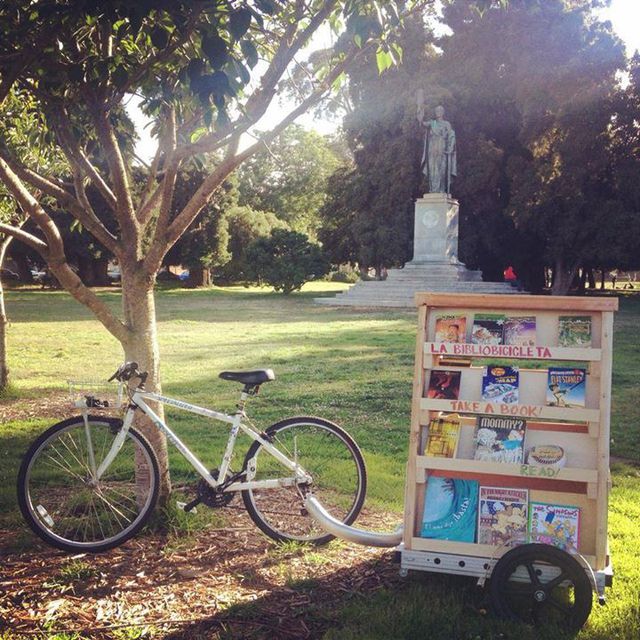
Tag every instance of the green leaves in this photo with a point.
(239, 23)
(215, 48)
(250, 52)
(159, 37)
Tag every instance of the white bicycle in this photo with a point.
(91, 482)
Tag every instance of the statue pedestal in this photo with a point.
(435, 265)
(435, 235)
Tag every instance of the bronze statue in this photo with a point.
(439, 155)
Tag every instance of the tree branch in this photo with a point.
(76, 156)
(259, 101)
(29, 239)
(53, 252)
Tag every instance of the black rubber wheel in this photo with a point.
(332, 459)
(541, 585)
(69, 510)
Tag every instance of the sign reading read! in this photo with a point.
(487, 350)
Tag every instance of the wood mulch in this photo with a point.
(48, 404)
(230, 582)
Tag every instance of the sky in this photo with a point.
(623, 14)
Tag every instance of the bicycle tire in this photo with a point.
(520, 589)
(340, 487)
(62, 483)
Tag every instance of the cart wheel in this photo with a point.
(541, 585)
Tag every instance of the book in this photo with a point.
(520, 331)
(450, 328)
(443, 385)
(500, 439)
(566, 387)
(502, 516)
(487, 328)
(574, 331)
(500, 384)
(450, 509)
(443, 437)
(554, 524)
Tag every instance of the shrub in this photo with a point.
(285, 260)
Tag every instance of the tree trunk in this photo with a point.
(85, 270)
(602, 279)
(22, 265)
(562, 278)
(4, 367)
(199, 277)
(101, 272)
(142, 347)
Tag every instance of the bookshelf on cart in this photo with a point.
(455, 349)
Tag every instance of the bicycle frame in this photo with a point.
(235, 420)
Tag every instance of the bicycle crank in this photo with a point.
(210, 496)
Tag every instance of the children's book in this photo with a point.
(519, 331)
(574, 331)
(443, 437)
(450, 328)
(450, 509)
(500, 384)
(500, 439)
(443, 385)
(566, 387)
(502, 516)
(554, 524)
(487, 328)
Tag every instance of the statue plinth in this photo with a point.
(435, 237)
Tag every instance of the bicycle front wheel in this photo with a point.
(333, 460)
(65, 504)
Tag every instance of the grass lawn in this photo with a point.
(351, 366)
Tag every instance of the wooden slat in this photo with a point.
(414, 433)
(511, 351)
(467, 549)
(528, 472)
(511, 302)
(603, 440)
(526, 411)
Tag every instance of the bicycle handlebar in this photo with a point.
(127, 371)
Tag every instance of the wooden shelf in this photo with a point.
(527, 411)
(467, 549)
(504, 351)
(424, 463)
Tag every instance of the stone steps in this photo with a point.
(401, 285)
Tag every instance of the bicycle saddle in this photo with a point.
(248, 377)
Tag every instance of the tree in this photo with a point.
(193, 61)
(203, 246)
(531, 85)
(285, 260)
(368, 216)
(289, 177)
(245, 225)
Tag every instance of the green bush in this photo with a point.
(285, 260)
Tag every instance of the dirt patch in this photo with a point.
(51, 404)
(230, 582)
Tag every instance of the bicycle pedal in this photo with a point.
(183, 506)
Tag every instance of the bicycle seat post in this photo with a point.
(247, 391)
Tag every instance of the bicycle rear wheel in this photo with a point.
(67, 508)
(333, 460)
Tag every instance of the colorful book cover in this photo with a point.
(566, 387)
(502, 516)
(443, 437)
(487, 328)
(520, 331)
(450, 509)
(554, 524)
(500, 439)
(500, 384)
(450, 328)
(574, 331)
(443, 385)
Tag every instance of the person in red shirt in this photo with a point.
(511, 277)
